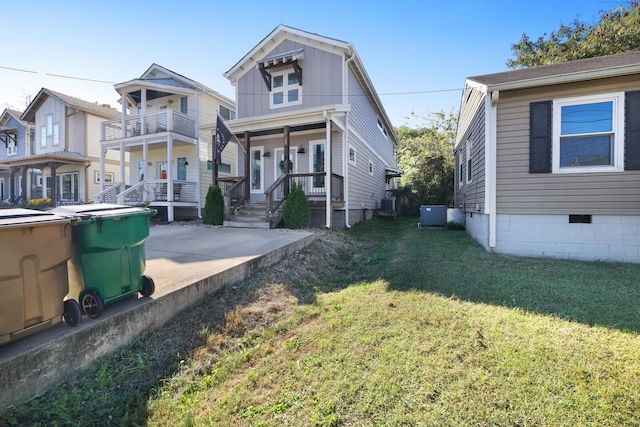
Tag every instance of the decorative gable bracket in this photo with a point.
(283, 60)
(7, 137)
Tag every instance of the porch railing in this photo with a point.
(183, 191)
(157, 122)
(312, 185)
(109, 195)
(233, 191)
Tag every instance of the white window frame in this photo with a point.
(43, 137)
(382, 128)
(284, 89)
(49, 119)
(312, 145)
(352, 149)
(12, 147)
(56, 134)
(617, 126)
(468, 170)
(261, 189)
(460, 169)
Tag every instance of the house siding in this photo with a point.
(21, 143)
(470, 197)
(366, 190)
(58, 110)
(321, 82)
(519, 192)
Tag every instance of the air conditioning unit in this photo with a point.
(433, 216)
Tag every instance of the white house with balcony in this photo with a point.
(170, 157)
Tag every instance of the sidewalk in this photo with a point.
(186, 263)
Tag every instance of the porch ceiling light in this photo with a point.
(301, 149)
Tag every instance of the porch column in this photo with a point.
(54, 191)
(247, 166)
(23, 187)
(145, 157)
(123, 178)
(214, 169)
(327, 167)
(143, 111)
(103, 154)
(123, 122)
(12, 183)
(287, 142)
(170, 179)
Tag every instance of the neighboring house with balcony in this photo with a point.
(548, 159)
(307, 98)
(171, 158)
(16, 142)
(65, 149)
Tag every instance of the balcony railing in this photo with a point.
(157, 122)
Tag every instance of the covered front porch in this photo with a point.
(58, 176)
(163, 153)
(313, 142)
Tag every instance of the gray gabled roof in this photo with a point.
(29, 114)
(584, 69)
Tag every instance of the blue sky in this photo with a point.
(414, 51)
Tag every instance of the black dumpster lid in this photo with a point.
(99, 209)
(17, 217)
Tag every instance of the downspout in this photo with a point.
(345, 147)
(198, 178)
(491, 148)
(328, 169)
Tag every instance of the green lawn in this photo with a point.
(395, 326)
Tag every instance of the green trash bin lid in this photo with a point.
(87, 212)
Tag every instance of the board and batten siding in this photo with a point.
(58, 110)
(470, 197)
(321, 82)
(21, 141)
(520, 192)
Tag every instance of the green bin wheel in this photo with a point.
(148, 286)
(72, 312)
(92, 304)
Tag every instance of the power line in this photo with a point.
(417, 92)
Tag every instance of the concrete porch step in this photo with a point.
(246, 224)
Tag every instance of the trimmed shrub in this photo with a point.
(297, 213)
(214, 207)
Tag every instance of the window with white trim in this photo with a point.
(588, 134)
(352, 155)
(460, 169)
(285, 89)
(12, 147)
(382, 128)
(56, 134)
(43, 136)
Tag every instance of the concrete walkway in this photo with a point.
(186, 263)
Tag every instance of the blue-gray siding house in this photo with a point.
(16, 137)
(308, 98)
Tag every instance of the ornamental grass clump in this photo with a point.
(296, 210)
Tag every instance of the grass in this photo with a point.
(398, 327)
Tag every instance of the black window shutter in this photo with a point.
(540, 137)
(632, 131)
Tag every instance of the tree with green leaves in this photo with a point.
(617, 31)
(425, 154)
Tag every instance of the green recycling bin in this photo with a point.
(34, 249)
(107, 255)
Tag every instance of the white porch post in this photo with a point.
(103, 154)
(145, 157)
(170, 179)
(327, 167)
(143, 111)
(124, 115)
(199, 207)
(122, 163)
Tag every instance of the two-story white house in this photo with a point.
(307, 98)
(66, 148)
(171, 158)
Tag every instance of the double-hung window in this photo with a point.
(12, 149)
(588, 134)
(285, 89)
